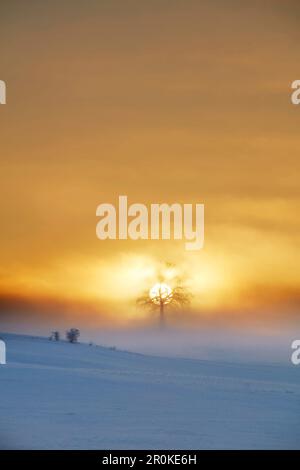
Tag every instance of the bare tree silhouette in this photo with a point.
(72, 335)
(163, 295)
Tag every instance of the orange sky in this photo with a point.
(181, 101)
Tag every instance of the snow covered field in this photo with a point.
(75, 396)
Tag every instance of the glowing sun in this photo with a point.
(161, 293)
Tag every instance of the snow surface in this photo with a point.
(75, 396)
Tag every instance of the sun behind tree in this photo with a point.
(162, 295)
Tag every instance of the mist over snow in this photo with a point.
(238, 345)
(215, 344)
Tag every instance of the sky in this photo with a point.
(181, 101)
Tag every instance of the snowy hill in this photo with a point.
(75, 396)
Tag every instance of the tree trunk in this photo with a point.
(161, 316)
